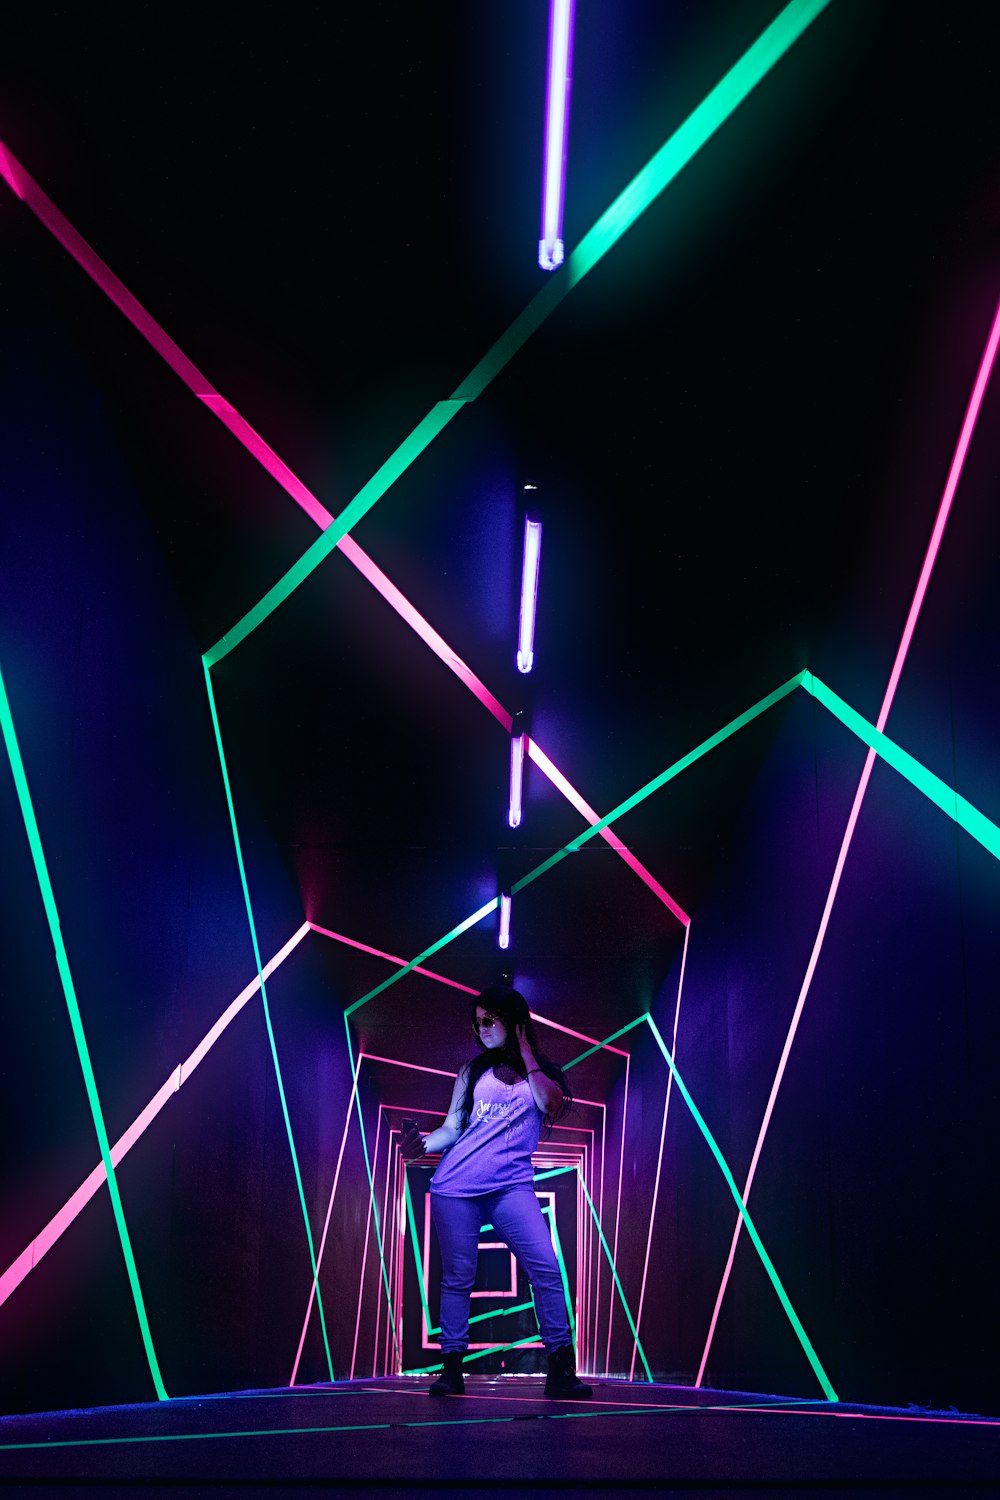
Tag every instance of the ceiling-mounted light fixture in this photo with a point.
(529, 593)
(514, 806)
(550, 246)
(503, 937)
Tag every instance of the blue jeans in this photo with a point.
(517, 1218)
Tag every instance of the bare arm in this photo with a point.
(455, 1122)
(547, 1094)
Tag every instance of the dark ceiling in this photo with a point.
(737, 423)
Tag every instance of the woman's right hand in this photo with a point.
(412, 1144)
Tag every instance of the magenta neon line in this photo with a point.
(618, 1214)
(659, 1158)
(580, 1036)
(392, 958)
(944, 509)
(60, 1222)
(557, 87)
(326, 1224)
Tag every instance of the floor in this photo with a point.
(385, 1438)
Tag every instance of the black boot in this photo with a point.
(561, 1380)
(451, 1381)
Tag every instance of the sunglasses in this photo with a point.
(483, 1023)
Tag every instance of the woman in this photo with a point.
(501, 1100)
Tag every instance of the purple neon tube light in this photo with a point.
(529, 595)
(944, 509)
(516, 780)
(557, 86)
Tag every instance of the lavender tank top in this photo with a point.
(494, 1150)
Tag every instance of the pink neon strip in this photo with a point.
(618, 1216)
(60, 1222)
(326, 1225)
(29, 191)
(659, 1159)
(581, 1036)
(944, 510)
(417, 1067)
(392, 958)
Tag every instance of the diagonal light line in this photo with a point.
(378, 953)
(371, 1192)
(617, 1280)
(744, 1213)
(60, 1222)
(957, 807)
(267, 1015)
(76, 1025)
(944, 509)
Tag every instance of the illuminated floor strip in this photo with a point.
(60, 1222)
(76, 1025)
(944, 509)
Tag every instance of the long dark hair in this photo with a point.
(510, 1006)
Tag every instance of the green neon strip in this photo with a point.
(267, 1016)
(644, 188)
(449, 937)
(744, 1212)
(371, 1190)
(396, 464)
(937, 791)
(467, 1358)
(678, 766)
(621, 1290)
(76, 1025)
(607, 1040)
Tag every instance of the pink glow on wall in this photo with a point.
(944, 509)
(60, 1222)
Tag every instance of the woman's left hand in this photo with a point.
(522, 1041)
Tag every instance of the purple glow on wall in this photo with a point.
(557, 88)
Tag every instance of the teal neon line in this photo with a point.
(267, 1016)
(644, 188)
(371, 1190)
(607, 1042)
(76, 1025)
(576, 844)
(621, 1290)
(467, 1358)
(937, 791)
(744, 1213)
(396, 464)
(449, 937)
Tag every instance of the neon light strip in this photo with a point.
(503, 936)
(944, 509)
(326, 1226)
(60, 1222)
(76, 1025)
(550, 245)
(368, 1225)
(391, 957)
(267, 1012)
(514, 802)
(744, 1212)
(371, 1191)
(961, 811)
(529, 595)
(618, 1212)
(659, 1158)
